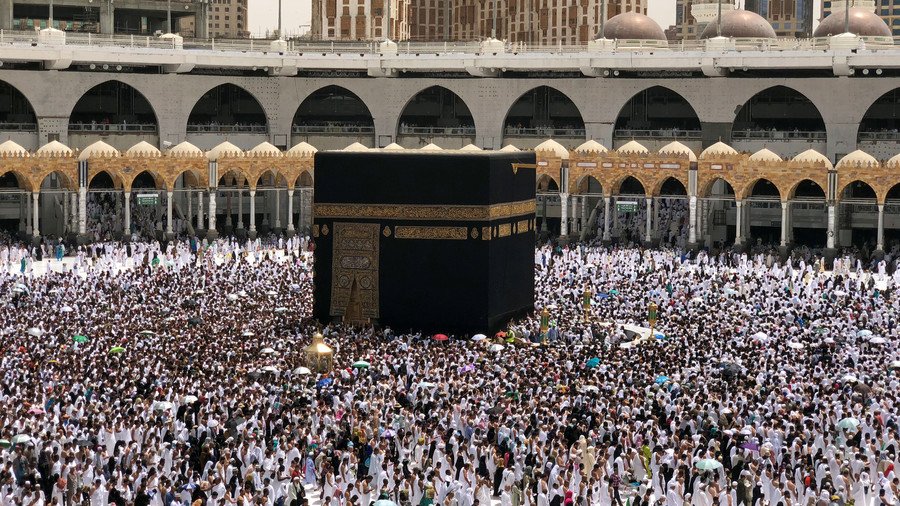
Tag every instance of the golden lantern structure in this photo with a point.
(652, 315)
(586, 302)
(319, 356)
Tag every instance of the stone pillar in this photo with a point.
(169, 196)
(277, 209)
(65, 200)
(228, 210)
(36, 212)
(738, 217)
(656, 220)
(107, 17)
(252, 210)
(832, 225)
(649, 226)
(563, 215)
(290, 216)
(784, 223)
(82, 210)
(306, 209)
(605, 218)
(201, 20)
(240, 220)
(190, 210)
(544, 227)
(200, 210)
(73, 205)
(28, 215)
(6, 14)
(585, 213)
(211, 233)
(879, 246)
(127, 230)
(692, 223)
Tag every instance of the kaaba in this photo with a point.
(424, 241)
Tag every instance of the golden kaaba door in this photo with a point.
(354, 282)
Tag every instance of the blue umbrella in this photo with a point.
(592, 363)
(659, 335)
(602, 295)
(324, 382)
(661, 379)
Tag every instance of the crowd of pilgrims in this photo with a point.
(171, 374)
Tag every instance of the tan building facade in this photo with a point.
(227, 20)
(521, 21)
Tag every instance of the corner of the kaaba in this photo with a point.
(430, 242)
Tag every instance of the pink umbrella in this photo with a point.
(35, 411)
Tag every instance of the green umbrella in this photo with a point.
(79, 338)
(21, 439)
(361, 364)
(4, 443)
(708, 464)
(116, 349)
(848, 423)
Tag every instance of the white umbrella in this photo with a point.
(190, 399)
(281, 309)
(864, 333)
(760, 336)
(895, 364)
(270, 368)
(877, 340)
(849, 378)
(199, 292)
(247, 333)
(20, 439)
(232, 297)
(829, 340)
(268, 351)
(146, 332)
(212, 423)
(626, 345)
(479, 337)
(302, 371)
(795, 345)
(590, 388)
(496, 347)
(36, 332)
(427, 384)
(271, 293)
(66, 309)
(242, 293)
(162, 406)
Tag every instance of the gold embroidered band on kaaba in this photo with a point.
(425, 212)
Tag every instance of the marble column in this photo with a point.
(606, 235)
(82, 210)
(127, 229)
(563, 215)
(36, 212)
(879, 246)
(785, 209)
(169, 197)
(832, 225)
(738, 222)
(253, 210)
(290, 216)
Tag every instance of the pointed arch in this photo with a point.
(882, 119)
(762, 188)
(656, 109)
(589, 184)
(547, 183)
(806, 189)
(544, 111)
(670, 186)
(333, 109)
(436, 110)
(228, 108)
(779, 113)
(113, 106)
(630, 185)
(16, 111)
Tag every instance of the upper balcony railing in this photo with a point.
(545, 132)
(423, 48)
(879, 136)
(333, 129)
(113, 127)
(462, 131)
(660, 133)
(777, 135)
(18, 127)
(226, 129)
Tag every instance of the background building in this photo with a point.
(526, 21)
(227, 19)
(888, 10)
(789, 18)
(139, 17)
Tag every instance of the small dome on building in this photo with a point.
(356, 147)
(633, 147)
(393, 147)
(678, 148)
(98, 149)
(863, 23)
(855, 159)
(11, 148)
(740, 24)
(142, 148)
(719, 148)
(264, 149)
(302, 149)
(557, 149)
(894, 161)
(632, 26)
(185, 149)
(765, 155)
(470, 147)
(813, 156)
(591, 146)
(224, 149)
(54, 148)
(431, 147)
(509, 148)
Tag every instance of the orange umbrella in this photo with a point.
(440, 337)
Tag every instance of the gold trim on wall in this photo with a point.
(424, 212)
(444, 233)
(505, 229)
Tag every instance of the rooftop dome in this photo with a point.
(719, 148)
(591, 146)
(356, 147)
(224, 149)
(470, 147)
(765, 155)
(741, 24)
(11, 148)
(185, 149)
(264, 149)
(856, 158)
(893, 161)
(53, 148)
(678, 148)
(393, 147)
(431, 147)
(633, 147)
(302, 149)
(554, 147)
(509, 148)
(98, 148)
(632, 26)
(142, 148)
(813, 156)
(863, 23)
